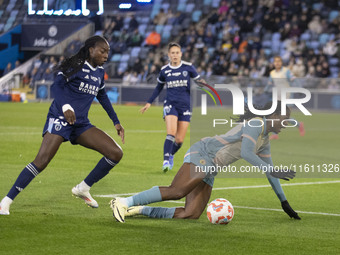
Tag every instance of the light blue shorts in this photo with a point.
(198, 157)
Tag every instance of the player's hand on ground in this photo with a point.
(284, 174)
(145, 108)
(289, 210)
(70, 116)
(120, 132)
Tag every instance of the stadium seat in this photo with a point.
(181, 7)
(276, 45)
(215, 3)
(123, 66)
(267, 44)
(159, 29)
(211, 51)
(166, 36)
(1, 12)
(196, 15)
(317, 6)
(167, 29)
(165, 6)
(175, 30)
(135, 51)
(333, 15)
(267, 36)
(323, 39)
(142, 28)
(207, 2)
(333, 61)
(125, 58)
(314, 45)
(116, 57)
(334, 70)
(276, 37)
(305, 36)
(189, 8)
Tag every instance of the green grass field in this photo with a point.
(46, 219)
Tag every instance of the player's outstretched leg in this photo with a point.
(98, 140)
(184, 182)
(48, 149)
(195, 204)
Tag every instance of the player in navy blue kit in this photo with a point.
(177, 112)
(80, 79)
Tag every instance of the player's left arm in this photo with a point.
(196, 77)
(265, 155)
(106, 104)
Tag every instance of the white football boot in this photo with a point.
(85, 195)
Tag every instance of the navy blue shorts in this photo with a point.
(182, 112)
(59, 126)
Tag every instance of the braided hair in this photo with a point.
(74, 63)
(249, 115)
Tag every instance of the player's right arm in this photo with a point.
(156, 92)
(59, 95)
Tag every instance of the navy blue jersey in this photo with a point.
(177, 81)
(79, 91)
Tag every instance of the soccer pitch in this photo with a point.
(46, 219)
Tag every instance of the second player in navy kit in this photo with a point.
(175, 76)
(80, 79)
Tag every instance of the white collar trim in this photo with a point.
(175, 67)
(92, 68)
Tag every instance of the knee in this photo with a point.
(115, 154)
(41, 161)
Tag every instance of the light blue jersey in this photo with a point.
(249, 141)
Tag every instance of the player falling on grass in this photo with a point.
(80, 79)
(281, 77)
(177, 111)
(250, 142)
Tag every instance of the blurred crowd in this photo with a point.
(239, 39)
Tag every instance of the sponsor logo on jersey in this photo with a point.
(90, 89)
(176, 74)
(95, 79)
(87, 77)
(85, 70)
(177, 83)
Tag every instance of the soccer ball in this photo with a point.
(220, 211)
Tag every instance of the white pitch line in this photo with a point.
(268, 186)
(231, 188)
(107, 131)
(265, 209)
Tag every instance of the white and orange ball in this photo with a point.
(220, 211)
